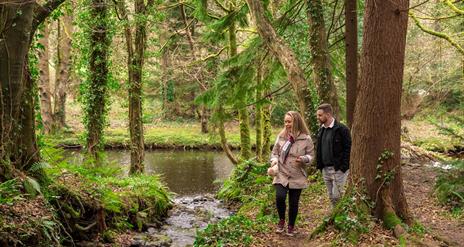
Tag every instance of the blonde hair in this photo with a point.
(298, 125)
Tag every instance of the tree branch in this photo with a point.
(454, 8)
(41, 12)
(437, 34)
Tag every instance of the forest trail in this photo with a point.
(419, 180)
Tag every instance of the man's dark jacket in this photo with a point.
(341, 145)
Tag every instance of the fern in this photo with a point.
(31, 186)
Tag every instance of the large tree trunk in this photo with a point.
(63, 72)
(351, 56)
(286, 57)
(98, 64)
(14, 46)
(377, 124)
(320, 61)
(18, 148)
(44, 81)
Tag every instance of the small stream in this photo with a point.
(194, 176)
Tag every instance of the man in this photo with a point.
(333, 152)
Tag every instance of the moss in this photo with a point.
(109, 236)
(81, 192)
(390, 220)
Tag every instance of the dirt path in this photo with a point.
(418, 181)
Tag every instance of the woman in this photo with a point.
(292, 152)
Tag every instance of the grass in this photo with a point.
(168, 135)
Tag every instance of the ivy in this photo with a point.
(96, 28)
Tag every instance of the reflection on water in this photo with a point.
(185, 172)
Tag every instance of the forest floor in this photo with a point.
(440, 228)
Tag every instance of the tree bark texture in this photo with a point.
(320, 57)
(63, 72)
(14, 45)
(377, 125)
(135, 60)
(286, 57)
(44, 81)
(18, 147)
(98, 64)
(351, 56)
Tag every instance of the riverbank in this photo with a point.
(78, 203)
(177, 136)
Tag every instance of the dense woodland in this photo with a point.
(142, 75)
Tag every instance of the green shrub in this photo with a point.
(236, 230)
(449, 187)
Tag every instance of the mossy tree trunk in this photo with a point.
(375, 154)
(98, 67)
(286, 57)
(135, 61)
(259, 113)
(243, 117)
(18, 146)
(320, 57)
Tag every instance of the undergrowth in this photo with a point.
(351, 217)
(449, 188)
(77, 202)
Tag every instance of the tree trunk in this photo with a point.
(28, 149)
(63, 72)
(243, 117)
(135, 92)
(14, 46)
(267, 132)
(18, 146)
(259, 114)
(204, 120)
(44, 82)
(320, 61)
(98, 63)
(286, 57)
(135, 59)
(222, 135)
(375, 154)
(351, 56)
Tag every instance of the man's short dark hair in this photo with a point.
(327, 108)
